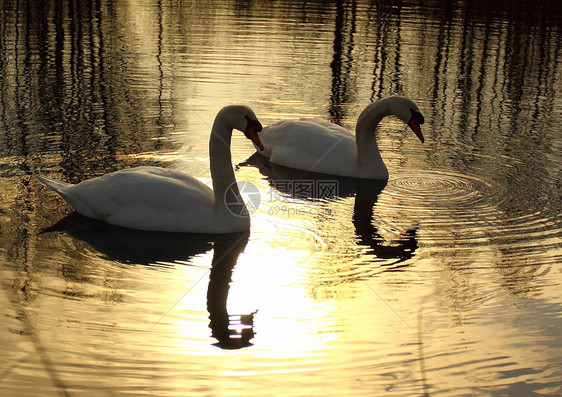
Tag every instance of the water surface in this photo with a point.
(445, 280)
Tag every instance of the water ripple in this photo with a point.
(441, 187)
(460, 210)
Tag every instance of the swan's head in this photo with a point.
(243, 118)
(406, 110)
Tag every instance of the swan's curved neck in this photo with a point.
(224, 183)
(368, 155)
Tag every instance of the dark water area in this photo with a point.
(444, 280)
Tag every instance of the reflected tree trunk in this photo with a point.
(342, 62)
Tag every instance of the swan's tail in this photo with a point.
(57, 186)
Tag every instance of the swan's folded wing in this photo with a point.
(138, 196)
(312, 145)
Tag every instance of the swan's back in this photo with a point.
(311, 144)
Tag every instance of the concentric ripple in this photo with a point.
(441, 187)
(459, 210)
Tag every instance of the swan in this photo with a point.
(159, 199)
(323, 147)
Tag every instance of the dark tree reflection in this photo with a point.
(342, 62)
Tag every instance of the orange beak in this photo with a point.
(414, 124)
(251, 132)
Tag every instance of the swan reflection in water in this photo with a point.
(366, 192)
(160, 249)
(231, 331)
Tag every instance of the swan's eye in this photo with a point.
(416, 116)
(253, 124)
(251, 131)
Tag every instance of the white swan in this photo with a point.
(160, 199)
(324, 147)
